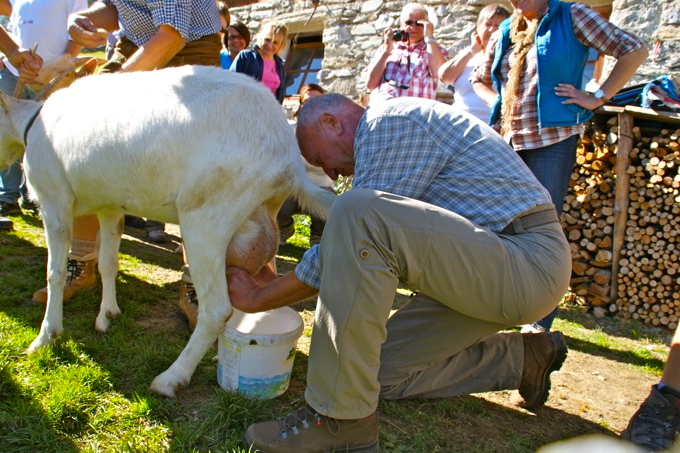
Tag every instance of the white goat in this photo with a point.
(198, 146)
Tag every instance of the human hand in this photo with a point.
(476, 42)
(578, 97)
(388, 41)
(428, 28)
(84, 32)
(244, 289)
(27, 62)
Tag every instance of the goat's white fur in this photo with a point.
(198, 146)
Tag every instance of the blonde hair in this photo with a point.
(272, 30)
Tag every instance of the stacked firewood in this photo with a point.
(649, 273)
(588, 217)
(647, 284)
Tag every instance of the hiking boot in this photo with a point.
(308, 431)
(6, 224)
(135, 222)
(188, 301)
(655, 424)
(29, 205)
(80, 277)
(543, 354)
(8, 208)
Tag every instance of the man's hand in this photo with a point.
(84, 32)
(244, 289)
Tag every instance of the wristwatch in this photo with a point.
(430, 39)
(599, 94)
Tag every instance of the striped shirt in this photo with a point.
(407, 71)
(592, 30)
(432, 152)
(140, 19)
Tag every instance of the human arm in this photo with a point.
(157, 52)
(435, 56)
(377, 66)
(452, 69)
(5, 8)
(27, 61)
(594, 31)
(254, 294)
(83, 25)
(622, 71)
(481, 76)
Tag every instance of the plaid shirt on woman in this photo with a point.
(592, 30)
(407, 71)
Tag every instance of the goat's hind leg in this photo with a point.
(58, 227)
(206, 253)
(110, 232)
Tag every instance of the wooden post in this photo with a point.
(622, 198)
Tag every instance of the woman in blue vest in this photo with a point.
(262, 62)
(536, 63)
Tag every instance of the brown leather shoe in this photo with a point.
(543, 354)
(188, 301)
(308, 431)
(80, 276)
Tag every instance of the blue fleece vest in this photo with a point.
(561, 59)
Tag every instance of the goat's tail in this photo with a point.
(314, 199)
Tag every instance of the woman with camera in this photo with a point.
(407, 62)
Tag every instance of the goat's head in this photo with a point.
(61, 72)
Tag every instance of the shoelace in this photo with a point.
(191, 293)
(304, 418)
(74, 268)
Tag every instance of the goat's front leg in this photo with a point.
(110, 231)
(58, 227)
(206, 257)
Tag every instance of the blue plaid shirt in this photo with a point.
(140, 19)
(429, 151)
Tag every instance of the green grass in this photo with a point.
(90, 392)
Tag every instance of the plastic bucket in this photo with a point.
(255, 353)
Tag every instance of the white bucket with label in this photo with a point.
(255, 352)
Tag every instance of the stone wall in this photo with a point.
(352, 31)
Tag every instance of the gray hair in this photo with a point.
(333, 103)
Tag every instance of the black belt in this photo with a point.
(540, 215)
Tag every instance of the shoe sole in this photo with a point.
(558, 360)
(372, 448)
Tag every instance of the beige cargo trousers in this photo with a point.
(472, 283)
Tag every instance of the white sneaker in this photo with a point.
(157, 236)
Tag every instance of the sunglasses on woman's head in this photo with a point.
(413, 22)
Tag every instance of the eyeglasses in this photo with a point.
(232, 37)
(413, 22)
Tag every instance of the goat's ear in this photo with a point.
(88, 68)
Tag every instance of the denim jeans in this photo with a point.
(553, 165)
(12, 183)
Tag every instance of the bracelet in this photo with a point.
(430, 40)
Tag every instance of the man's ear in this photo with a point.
(331, 122)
